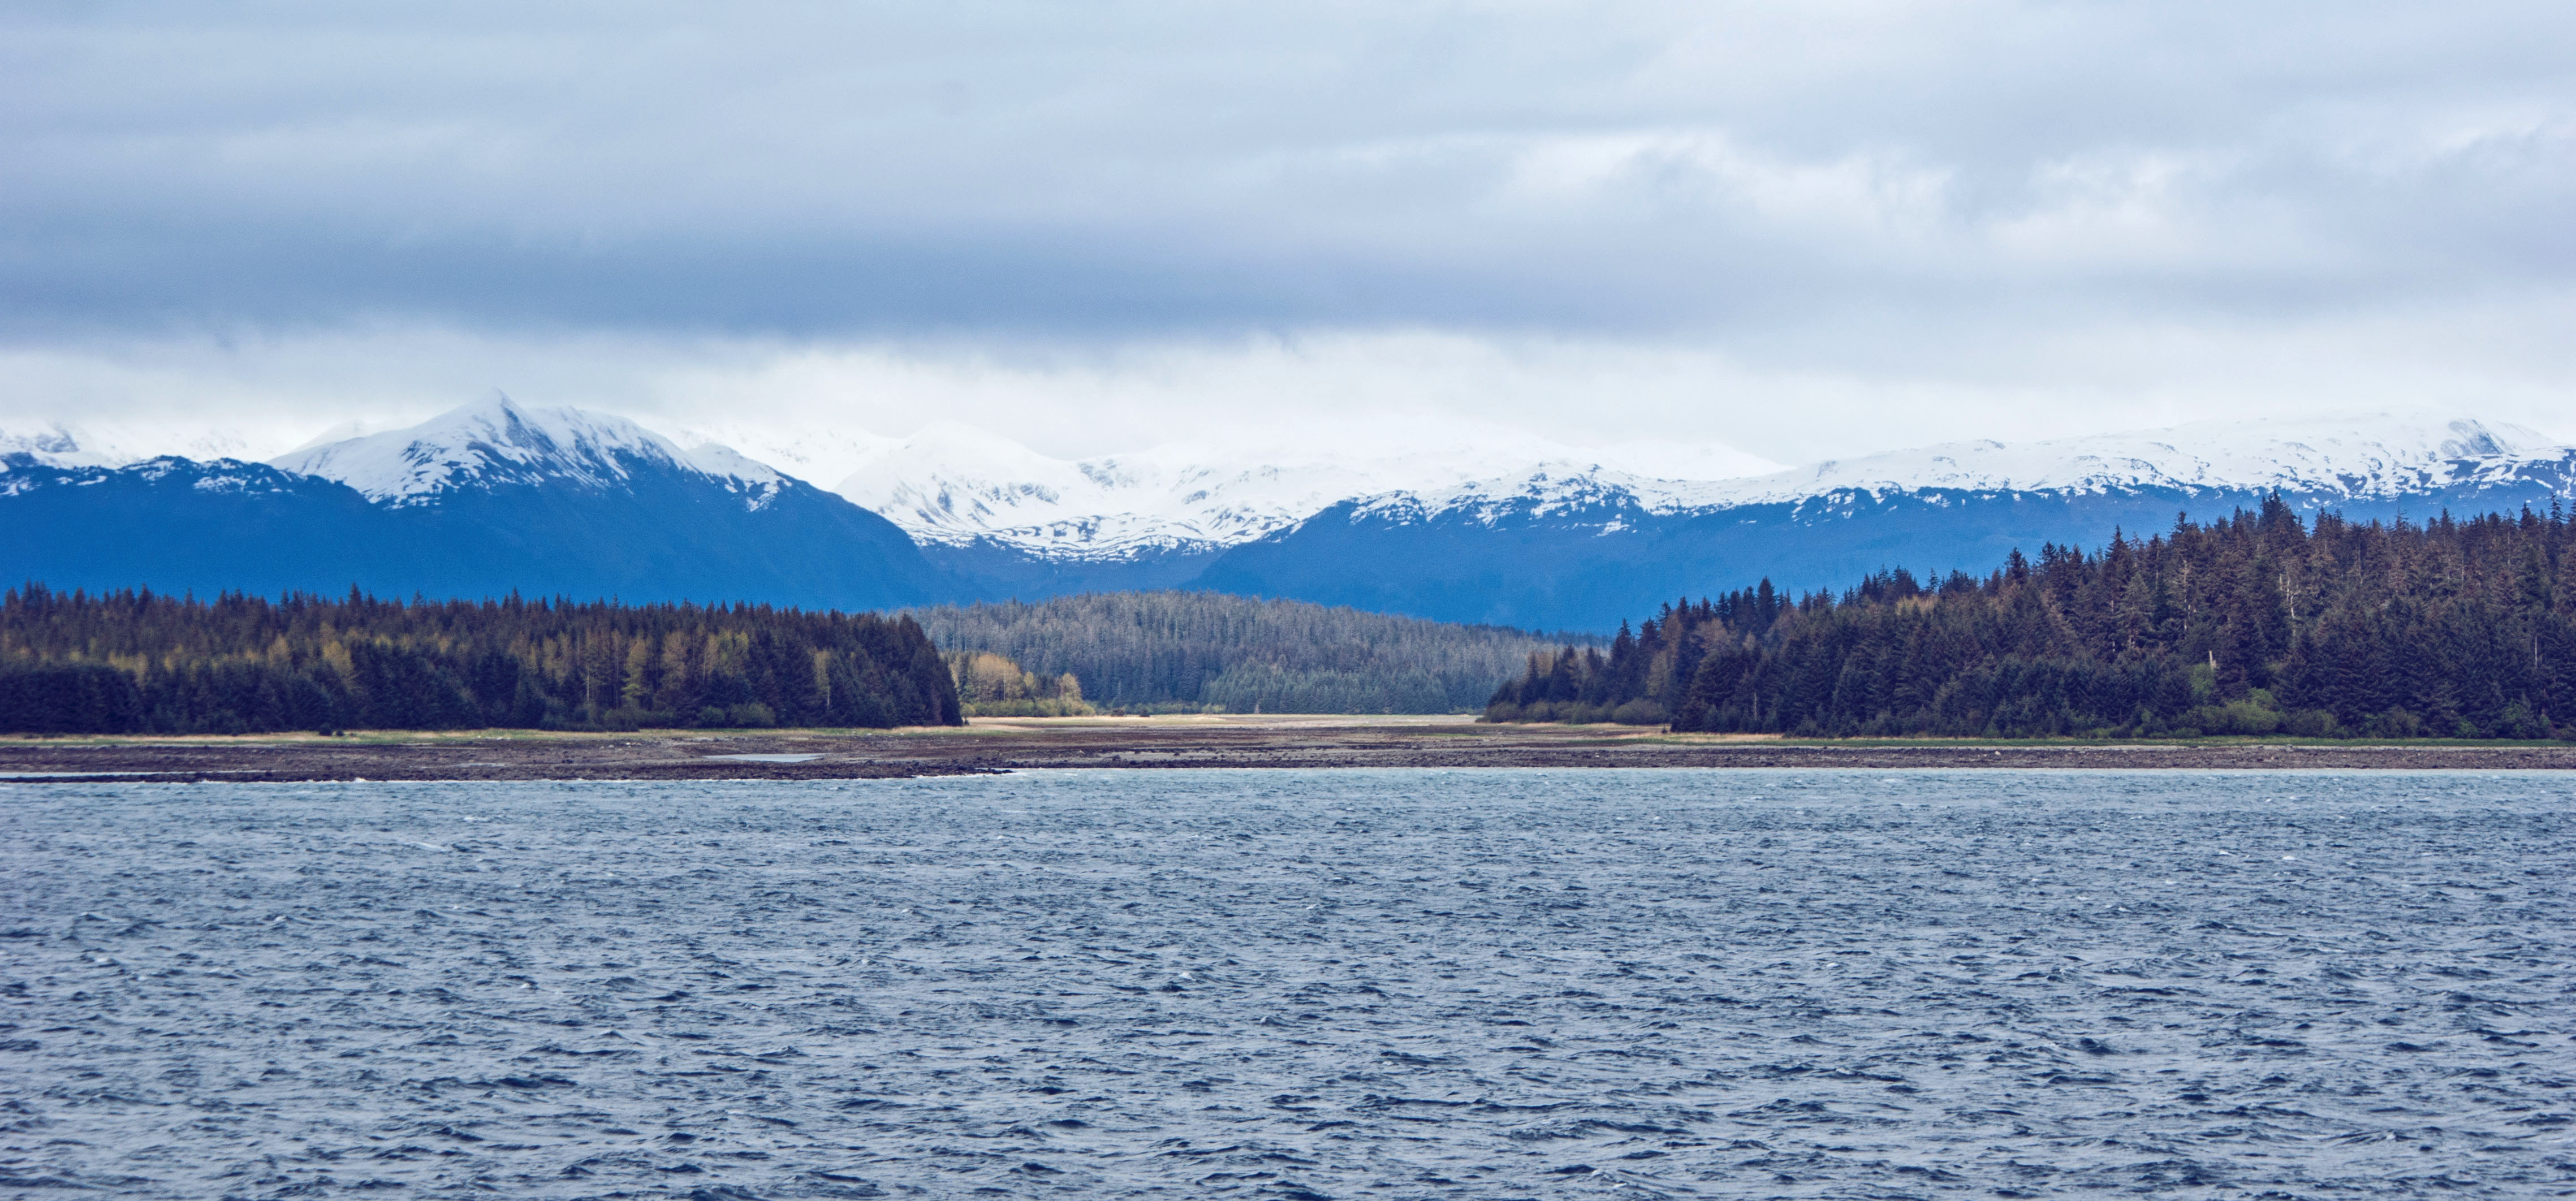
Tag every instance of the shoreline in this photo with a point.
(991, 745)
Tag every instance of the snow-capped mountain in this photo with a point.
(483, 501)
(2371, 456)
(952, 485)
(1500, 528)
(50, 445)
(1578, 550)
(500, 442)
(54, 444)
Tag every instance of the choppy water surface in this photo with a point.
(1296, 984)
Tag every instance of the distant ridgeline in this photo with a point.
(136, 662)
(2250, 625)
(1188, 652)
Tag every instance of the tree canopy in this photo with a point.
(2254, 624)
(138, 662)
(1194, 651)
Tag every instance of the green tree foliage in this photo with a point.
(1193, 651)
(135, 662)
(2251, 625)
(990, 685)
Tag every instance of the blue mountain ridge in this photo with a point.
(1589, 567)
(659, 532)
(988, 569)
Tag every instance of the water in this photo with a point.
(1296, 984)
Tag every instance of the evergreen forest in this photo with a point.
(2256, 624)
(135, 662)
(1168, 652)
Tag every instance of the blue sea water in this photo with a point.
(1436, 984)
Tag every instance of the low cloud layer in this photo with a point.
(1788, 227)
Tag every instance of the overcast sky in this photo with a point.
(1801, 230)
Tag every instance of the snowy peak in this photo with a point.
(499, 443)
(2367, 457)
(2374, 455)
(54, 444)
(23, 473)
(50, 446)
(953, 485)
(1543, 490)
(950, 484)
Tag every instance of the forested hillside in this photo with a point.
(2255, 624)
(136, 662)
(1193, 651)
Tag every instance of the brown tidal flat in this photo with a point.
(1005, 744)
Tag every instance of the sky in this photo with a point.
(1781, 232)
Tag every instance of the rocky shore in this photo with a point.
(1018, 744)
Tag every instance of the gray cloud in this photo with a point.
(1803, 230)
(1146, 169)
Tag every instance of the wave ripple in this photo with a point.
(1295, 985)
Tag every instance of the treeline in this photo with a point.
(1211, 652)
(2256, 624)
(135, 662)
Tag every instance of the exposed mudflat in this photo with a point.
(1006, 745)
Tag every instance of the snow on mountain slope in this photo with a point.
(500, 442)
(815, 454)
(51, 446)
(952, 484)
(2379, 454)
(54, 444)
(2370, 456)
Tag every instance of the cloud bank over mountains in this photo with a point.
(498, 497)
(957, 486)
(1796, 231)
(813, 169)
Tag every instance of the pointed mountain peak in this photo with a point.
(497, 442)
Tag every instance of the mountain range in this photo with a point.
(497, 496)
(482, 501)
